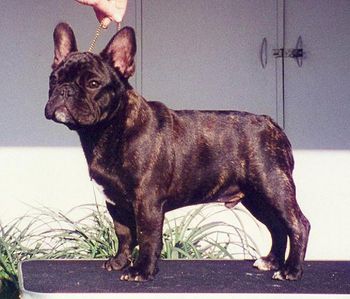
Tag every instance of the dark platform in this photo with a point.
(186, 276)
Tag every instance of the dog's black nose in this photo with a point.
(66, 91)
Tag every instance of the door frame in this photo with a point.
(279, 63)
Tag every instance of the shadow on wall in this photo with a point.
(28, 49)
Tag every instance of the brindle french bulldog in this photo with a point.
(150, 159)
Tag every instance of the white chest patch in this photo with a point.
(98, 192)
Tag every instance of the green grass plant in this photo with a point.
(199, 235)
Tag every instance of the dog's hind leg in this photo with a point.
(298, 228)
(276, 206)
(262, 211)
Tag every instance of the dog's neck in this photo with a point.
(133, 114)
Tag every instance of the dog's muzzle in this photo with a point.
(56, 108)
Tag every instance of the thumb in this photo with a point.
(120, 8)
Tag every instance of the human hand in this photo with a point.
(107, 11)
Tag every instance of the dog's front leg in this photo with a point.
(149, 220)
(125, 229)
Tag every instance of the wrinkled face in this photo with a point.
(87, 89)
(83, 91)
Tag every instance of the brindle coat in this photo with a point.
(151, 159)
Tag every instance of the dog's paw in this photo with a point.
(266, 264)
(288, 274)
(135, 274)
(116, 263)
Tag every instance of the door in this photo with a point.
(205, 54)
(317, 119)
(317, 94)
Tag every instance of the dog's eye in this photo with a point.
(93, 84)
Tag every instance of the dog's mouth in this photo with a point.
(60, 115)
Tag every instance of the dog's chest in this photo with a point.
(108, 180)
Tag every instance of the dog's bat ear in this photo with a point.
(121, 50)
(64, 41)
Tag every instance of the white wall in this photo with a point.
(58, 178)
